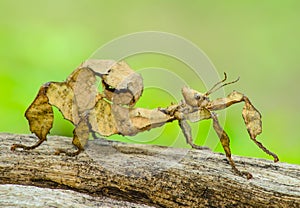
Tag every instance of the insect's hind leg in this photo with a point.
(24, 147)
(40, 117)
(80, 138)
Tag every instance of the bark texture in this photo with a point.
(144, 175)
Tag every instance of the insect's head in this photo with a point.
(197, 99)
(193, 97)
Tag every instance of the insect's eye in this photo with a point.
(197, 96)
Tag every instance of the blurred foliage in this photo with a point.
(44, 41)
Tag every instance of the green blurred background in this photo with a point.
(44, 41)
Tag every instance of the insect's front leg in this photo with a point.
(194, 115)
(225, 143)
(251, 115)
(187, 132)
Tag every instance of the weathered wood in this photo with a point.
(151, 175)
(30, 196)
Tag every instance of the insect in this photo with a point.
(112, 111)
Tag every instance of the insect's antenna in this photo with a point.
(216, 87)
(211, 90)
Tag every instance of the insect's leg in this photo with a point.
(80, 138)
(251, 115)
(186, 129)
(40, 118)
(24, 147)
(222, 103)
(226, 146)
(252, 119)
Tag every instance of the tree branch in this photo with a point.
(150, 175)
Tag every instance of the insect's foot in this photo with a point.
(276, 159)
(58, 151)
(242, 173)
(247, 174)
(15, 146)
